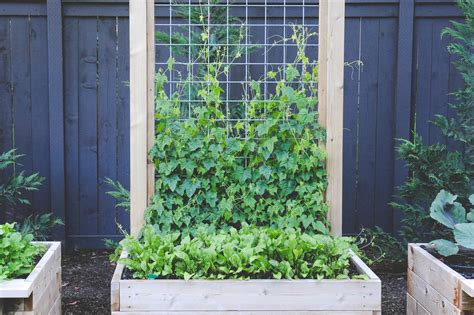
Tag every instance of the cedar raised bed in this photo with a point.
(40, 292)
(140, 297)
(435, 288)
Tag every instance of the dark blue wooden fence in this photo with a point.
(64, 103)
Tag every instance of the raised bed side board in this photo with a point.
(145, 297)
(40, 292)
(434, 288)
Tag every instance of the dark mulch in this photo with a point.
(86, 285)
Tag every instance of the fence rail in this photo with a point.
(64, 102)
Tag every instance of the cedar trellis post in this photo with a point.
(142, 72)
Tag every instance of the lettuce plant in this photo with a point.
(248, 253)
(450, 213)
(17, 253)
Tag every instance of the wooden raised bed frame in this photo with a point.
(434, 288)
(144, 297)
(40, 292)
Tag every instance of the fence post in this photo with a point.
(403, 91)
(56, 114)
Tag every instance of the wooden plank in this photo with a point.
(384, 128)
(250, 313)
(40, 111)
(351, 118)
(264, 295)
(150, 8)
(468, 286)
(56, 114)
(414, 308)
(88, 149)
(138, 114)
(56, 308)
(439, 276)
(428, 297)
(115, 285)
(123, 116)
(403, 93)
(335, 109)
(424, 40)
(22, 115)
(71, 111)
(439, 79)
(367, 121)
(107, 122)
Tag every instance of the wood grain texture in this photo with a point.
(248, 296)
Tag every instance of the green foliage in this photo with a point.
(12, 195)
(266, 169)
(121, 195)
(12, 190)
(450, 213)
(433, 167)
(251, 253)
(39, 225)
(17, 253)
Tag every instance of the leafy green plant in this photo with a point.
(434, 167)
(39, 225)
(12, 190)
(250, 253)
(17, 253)
(12, 195)
(451, 214)
(120, 193)
(267, 169)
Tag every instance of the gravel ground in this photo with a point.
(86, 285)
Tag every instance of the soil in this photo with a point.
(86, 285)
(462, 263)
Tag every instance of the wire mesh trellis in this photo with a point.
(251, 40)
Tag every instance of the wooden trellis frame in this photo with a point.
(142, 72)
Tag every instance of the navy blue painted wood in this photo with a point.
(88, 141)
(107, 124)
(21, 97)
(71, 127)
(368, 97)
(40, 111)
(351, 112)
(403, 93)
(56, 113)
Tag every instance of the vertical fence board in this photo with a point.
(123, 115)
(107, 129)
(22, 119)
(351, 115)
(424, 39)
(88, 176)
(71, 128)
(6, 120)
(56, 112)
(367, 121)
(385, 123)
(40, 111)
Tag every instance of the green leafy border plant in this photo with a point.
(17, 253)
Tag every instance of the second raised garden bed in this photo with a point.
(435, 288)
(248, 296)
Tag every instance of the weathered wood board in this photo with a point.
(247, 296)
(40, 292)
(434, 288)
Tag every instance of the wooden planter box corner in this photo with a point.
(434, 288)
(145, 297)
(40, 292)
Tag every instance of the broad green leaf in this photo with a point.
(445, 247)
(446, 211)
(464, 234)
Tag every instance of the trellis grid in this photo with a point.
(250, 38)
